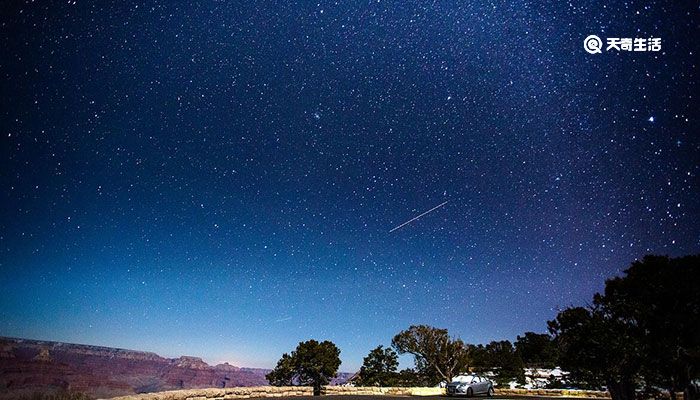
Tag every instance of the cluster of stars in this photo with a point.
(239, 167)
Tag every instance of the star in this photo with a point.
(151, 192)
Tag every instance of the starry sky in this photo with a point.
(219, 178)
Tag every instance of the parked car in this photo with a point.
(469, 385)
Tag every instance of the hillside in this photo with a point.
(29, 365)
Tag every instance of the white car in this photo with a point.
(469, 385)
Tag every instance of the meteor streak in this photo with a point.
(415, 218)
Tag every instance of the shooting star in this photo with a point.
(415, 218)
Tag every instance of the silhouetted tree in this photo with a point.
(437, 356)
(659, 297)
(477, 357)
(409, 377)
(537, 350)
(598, 350)
(311, 364)
(379, 368)
(500, 358)
(283, 374)
(644, 327)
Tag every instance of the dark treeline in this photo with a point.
(438, 357)
(642, 334)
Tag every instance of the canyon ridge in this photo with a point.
(30, 366)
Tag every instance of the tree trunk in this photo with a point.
(621, 390)
(437, 368)
(691, 392)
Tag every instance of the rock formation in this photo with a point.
(28, 366)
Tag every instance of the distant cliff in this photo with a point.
(27, 366)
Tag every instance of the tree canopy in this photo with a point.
(597, 350)
(660, 298)
(379, 367)
(311, 364)
(437, 356)
(536, 350)
(500, 358)
(644, 328)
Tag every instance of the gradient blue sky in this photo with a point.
(219, 179)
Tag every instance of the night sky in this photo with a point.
(219, 179)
